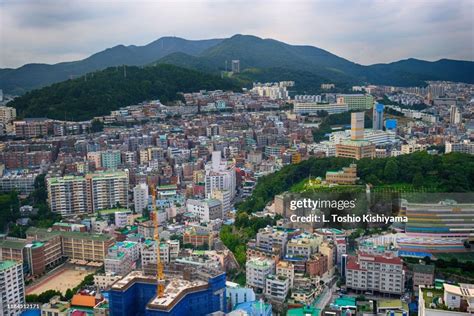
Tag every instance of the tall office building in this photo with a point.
(140, 197)
(357, 126)
(12, 287)
(236, 66)
(378, 116)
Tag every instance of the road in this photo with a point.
(325, 297)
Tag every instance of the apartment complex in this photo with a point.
(77, 194)
(12, 287)
(375, 273)
(31, 127)
(68, 195)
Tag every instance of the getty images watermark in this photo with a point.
(337, 205)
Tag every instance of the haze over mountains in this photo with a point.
(260, 59)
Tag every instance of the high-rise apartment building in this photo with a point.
(76, 194)
(68, 195)
(454, 115)
(140, 197)
(12, 288)
(107, 190)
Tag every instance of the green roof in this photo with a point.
(44, 233)
(345, 301)
(14, 244)
(7, 264)
(304, 311)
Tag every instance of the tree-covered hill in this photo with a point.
(100, 92)
(310, 66)
(452, 172)
(34, 76)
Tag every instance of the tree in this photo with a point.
(69, 294)
(391, 171)
(97, 126)
(418, 180)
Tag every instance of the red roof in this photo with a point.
(352, 264)
(381, 259)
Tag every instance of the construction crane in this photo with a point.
(160, 276)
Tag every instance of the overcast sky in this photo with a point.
(364, 31)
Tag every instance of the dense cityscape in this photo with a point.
(236, 158)
(145, 211)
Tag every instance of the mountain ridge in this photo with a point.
(37, 75)
(254, 53)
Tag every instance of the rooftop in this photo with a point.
(7, 264)
(14, 244)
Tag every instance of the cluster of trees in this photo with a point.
(43, 297)
(100, 92)
(236, 237)
(10, 210)
(453, 172)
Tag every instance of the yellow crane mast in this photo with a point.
(160, 276)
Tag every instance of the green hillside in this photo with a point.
(310, 66)
(443, 173)
(33, 76)
(100, 92)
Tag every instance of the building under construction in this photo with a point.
(189, 292)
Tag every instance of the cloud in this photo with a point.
(364, 31)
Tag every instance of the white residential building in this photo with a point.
(205, 210)
(220, 175)
(104, 281)
(276, 287)
(376, 273)
(140, 197)
(257, 270)
(12, 287)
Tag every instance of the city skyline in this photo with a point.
(366, 32)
